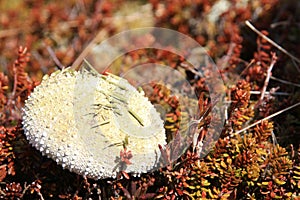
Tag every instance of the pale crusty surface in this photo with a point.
(81, 119)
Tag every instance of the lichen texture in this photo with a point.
(88, 123)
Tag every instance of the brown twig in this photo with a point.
(40, 195)
(271, 41)
(247, 67)
(25, 190)
(9, 32)
(228, 55)
(54, 57)
(266, 83)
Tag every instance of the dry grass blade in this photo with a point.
(284, 81)
(271, 41)
(266, 118)
(100, 36)
(271, 93)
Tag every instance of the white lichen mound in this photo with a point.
(82, 120)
